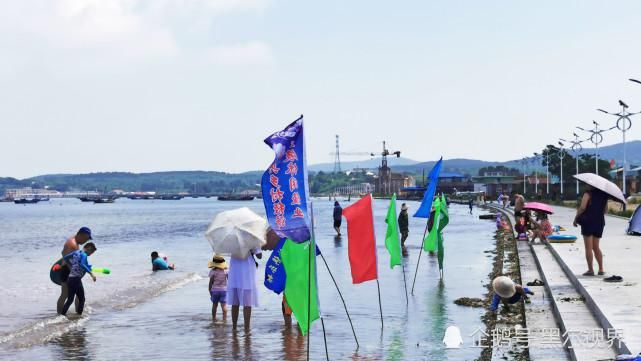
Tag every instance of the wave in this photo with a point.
(46, 329)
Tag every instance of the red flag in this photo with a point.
(361, 240)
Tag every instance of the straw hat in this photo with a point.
(217, 262)
(504, 286)
(404, 207)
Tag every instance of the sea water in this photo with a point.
(136, 314)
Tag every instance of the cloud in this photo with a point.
(122, 31)
(252, 53)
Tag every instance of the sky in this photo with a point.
(156, 85)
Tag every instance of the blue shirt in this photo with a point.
(512, 300)
(159, 264)
(78, 263)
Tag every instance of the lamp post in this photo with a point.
(623, 124)
(524, 163)
(561, 155)
(535, 160)
(576, 148)
(596, 138)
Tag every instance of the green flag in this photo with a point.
(445, 219)
(296, 259)
(392, 242)
(431, 241)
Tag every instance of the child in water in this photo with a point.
(218, 285)
(79, 266)
(507, 292)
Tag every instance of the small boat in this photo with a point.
(43, 199)
(26, 201)
(171, 198)
(235, 197)
(104, 200)
(87, 199)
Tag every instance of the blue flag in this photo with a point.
(284, 184)
(274, 271)
(275, 276)
(425, 208)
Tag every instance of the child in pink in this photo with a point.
(218, 285)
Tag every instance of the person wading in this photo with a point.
(71, 245)
(403, 225)
(338, 217)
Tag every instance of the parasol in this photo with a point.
(236, 232)
(539, 207)
(602, 184)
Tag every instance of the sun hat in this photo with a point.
(404, 207)
(504, 286)
(217, 262)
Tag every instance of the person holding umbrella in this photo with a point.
(591, 217)
(240, 233)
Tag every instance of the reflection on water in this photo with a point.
(73, 346)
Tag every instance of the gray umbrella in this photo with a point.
(603, 184)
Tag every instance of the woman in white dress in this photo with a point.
(241, 286)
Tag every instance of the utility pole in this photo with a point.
(337, 158)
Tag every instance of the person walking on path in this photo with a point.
(591, 217)
(71, 245)
(79, 266)
(338, 217)
(471, 205)
(519, 203)
(241, 287)
(403, 225)
(218, 285)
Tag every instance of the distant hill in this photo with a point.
(217, 182)
(177, 181)
(366, 163)
(615, 151)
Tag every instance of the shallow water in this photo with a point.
(137, 315)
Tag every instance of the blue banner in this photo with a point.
(284, 184)
(275, 277)
(425, 208)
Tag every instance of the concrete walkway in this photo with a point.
(617, 306)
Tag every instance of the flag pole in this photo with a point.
(419, 255)
(324, 338)
(342, 299)
(380, 306)
(407, 299)
(312, 258)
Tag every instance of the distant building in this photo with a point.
(355, 189)
(493, 183)
(448, 183)
(389, 182)
(28, 192)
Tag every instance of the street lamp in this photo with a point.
(561, 156)
(535, 160)
(596, 138)
(576, 148)
(524, 163)
(623, 124)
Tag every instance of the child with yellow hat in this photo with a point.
(218, 285)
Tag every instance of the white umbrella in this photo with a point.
(603, 184)
(236, 232)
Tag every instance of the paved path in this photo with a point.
(616, 305)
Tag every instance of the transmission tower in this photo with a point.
(337, 158)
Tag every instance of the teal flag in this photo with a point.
(392, 241)
(296, 259)
(444, 220)
(431, 241)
